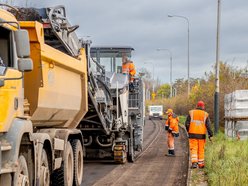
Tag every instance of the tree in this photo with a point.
(163, 91)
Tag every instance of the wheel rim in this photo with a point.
(80, 167)
(44, 169)
(23, 180)
(21, 177)
(70, 166)
(78, 162)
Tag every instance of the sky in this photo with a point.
(145, 25)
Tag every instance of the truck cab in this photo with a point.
(155, 112)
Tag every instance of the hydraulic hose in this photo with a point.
(89, 142)
(102, 145)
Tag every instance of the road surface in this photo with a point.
(151, 168)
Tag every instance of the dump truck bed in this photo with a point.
(57, 87)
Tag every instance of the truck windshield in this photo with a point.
(108, 63)
(111, 64)
(110, 57)
(5, 54)
(156, 109)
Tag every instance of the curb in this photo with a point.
(189, 170)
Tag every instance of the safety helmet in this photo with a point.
(200, 104)
(169, 111)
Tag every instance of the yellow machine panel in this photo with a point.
(9, 99)
(57, 87)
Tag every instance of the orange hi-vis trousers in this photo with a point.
(197, 150)
(170, 141)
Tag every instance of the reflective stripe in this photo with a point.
(194, 159)
(197, 122)
(197, 136)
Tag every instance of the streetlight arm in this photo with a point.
(180, 17)
(170, 53)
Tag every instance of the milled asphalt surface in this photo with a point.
(153, 167)
(93, 171)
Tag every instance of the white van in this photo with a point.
(155, 111)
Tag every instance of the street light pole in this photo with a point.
(217, 73)
(153, 78)
(159, 49)
(185, 18)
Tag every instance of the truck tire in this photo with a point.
(78, 162)
(64, 175)
(21, 175)
(44, 169)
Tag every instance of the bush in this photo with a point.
(226, 161)
(231, 79)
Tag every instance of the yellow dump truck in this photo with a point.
(43, 97)
(58, 102)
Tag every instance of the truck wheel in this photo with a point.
(68, 165)
(21, 175)
(78, 162)
(64, 175)
(44, 169)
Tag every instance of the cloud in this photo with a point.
(144, 25)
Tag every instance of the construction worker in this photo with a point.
(197, 124)
(128, 67)
(171, 125)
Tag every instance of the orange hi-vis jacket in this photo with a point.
(197, 128)
(167, 122)
(128, 68)
(173, 124)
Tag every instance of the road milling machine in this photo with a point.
(113, 126)
(58, 103)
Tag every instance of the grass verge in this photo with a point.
(226, 161)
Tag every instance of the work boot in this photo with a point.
(194, 165)
(173, 152)
(170, 153)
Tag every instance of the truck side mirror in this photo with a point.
(25, 64)
(22, 43)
